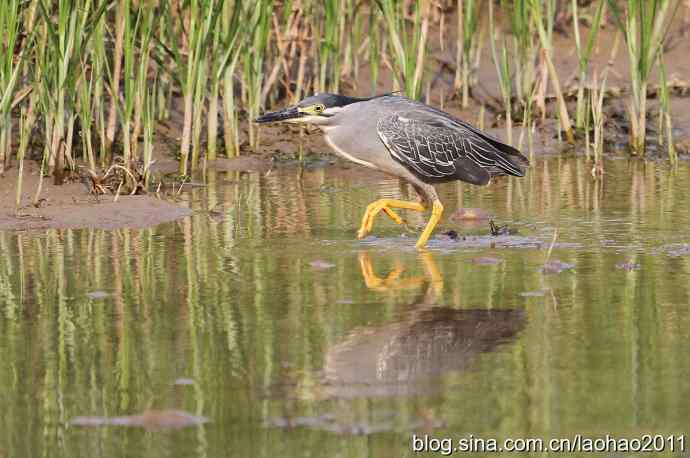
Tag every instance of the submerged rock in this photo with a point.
(556, 267)
(151, 420)
(451, 234)
(97, 295)
(470, 214)
(487, 261)
(321, 265)
(627, 266)
(677, 249)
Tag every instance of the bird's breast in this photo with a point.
(346, 148)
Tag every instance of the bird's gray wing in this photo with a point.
(439, 148)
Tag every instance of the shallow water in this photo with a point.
(262, 313)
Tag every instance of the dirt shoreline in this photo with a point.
(70, 206)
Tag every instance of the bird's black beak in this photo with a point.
(280, 115)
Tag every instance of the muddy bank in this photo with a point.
(251, 163)
(71, 206)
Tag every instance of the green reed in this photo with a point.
(136, 49)
(597, 93)
(148, 121)
(543, 17)
(644, 24)
(213, 98)
(224, 72)
(665, 125)
(256, 30)
(10, 67)
(408, 47)
(189, 47)
(92, 63)
(114, 73)
(97, 102)
(584, 53)
(67, 30)
(328, 54)
(523, 42)
(467, 26)
(374, 51)
(26, 122)
(85, 110)
(503, 71)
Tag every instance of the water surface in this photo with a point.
(263, 314)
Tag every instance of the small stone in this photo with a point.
(487, 261)
(95, 295)
(451, 234)
(470, 214)
(556, 267)
(628, 266)
(321, 265)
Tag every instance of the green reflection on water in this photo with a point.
(301, 341)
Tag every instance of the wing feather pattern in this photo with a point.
(436, 147)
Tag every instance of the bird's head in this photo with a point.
(317, 109)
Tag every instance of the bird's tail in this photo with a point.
(512, 161)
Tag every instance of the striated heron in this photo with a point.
(407, 139)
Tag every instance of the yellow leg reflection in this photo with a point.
(394, 282)
(385, 205)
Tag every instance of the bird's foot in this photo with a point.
(385, 205)
(372, 211)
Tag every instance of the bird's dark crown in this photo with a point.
(329, 100)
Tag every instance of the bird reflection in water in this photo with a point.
(427, 342)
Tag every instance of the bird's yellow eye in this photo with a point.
(319, 108)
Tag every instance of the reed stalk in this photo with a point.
(86, 116)
(503, 71)
(524, 50)
(328, 56)
(148, 120)
(584, 54)
(230, 27)
(374, 51)
(27, 119)
(597, 103)
(189, 47)
(10, 67)
(97, 83)
(65, 46)
(114, 87)
(213, 101)
(665, 125)
(644, 24)
(408, 46)
(258, 19)
(467, 26)
(144, 74)
(544, 20)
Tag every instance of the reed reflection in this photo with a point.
(427, 342)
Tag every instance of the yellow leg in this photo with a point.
(436, 213)
(385, 205)
(392, 215)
